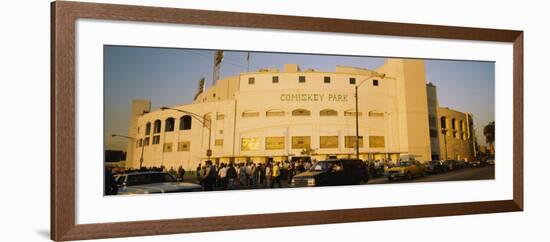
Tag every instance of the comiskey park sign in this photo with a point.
(313, 97)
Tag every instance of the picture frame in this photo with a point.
(64, 15)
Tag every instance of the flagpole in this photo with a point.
(248, 62)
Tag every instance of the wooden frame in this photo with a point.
(63, 17)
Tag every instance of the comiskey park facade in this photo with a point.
(303, 114)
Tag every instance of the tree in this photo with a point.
(489, 132)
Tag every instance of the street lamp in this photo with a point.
(202, 121)
(142, 146)
(373, 74)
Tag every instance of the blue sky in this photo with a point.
(169, 77)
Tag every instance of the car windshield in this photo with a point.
(148, 178)
(320, 166)
(404, 163)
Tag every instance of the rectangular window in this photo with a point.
(156, 139)
(352, 81)
(218, 142)
(327, 79)
(184, 145)
(352, 114)
(250, 114)
(350, 142)
(328, 142)
(221, 131)
(167, 147)
(251, 80)
(275, 79)
(301, 142)
(376, 142)
(146, 141)
(248, 144)
(275, 143)
(375, 114)
(375, 83)
(302, 79)
(275, 113)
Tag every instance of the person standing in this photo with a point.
(267, 175)
(254, 174)
(291, 170)
(223, 176)
(199, 171)
(243, 175)
(209, 177)
(276, 175)
(261, 173)
(231, 175)
(111, 187)
(181, 173)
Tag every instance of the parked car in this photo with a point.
(455, 164)
(436, 166)
(332, 172)
(152, 182)
(405, 169)
(491, 162)
(475, 163)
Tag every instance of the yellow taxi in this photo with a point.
(405, 169)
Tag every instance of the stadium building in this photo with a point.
(293, 114)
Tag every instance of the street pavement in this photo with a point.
(469, 173)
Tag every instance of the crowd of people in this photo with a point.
(227, 176)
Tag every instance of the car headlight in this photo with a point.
(311, 182)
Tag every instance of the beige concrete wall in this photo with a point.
(412, 109)
(223, 90)
(458, 141)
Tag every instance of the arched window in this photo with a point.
(148, 128)
(156, 125)
(275, 113)
(453, 124)
(185, 122)
(328, 112)
(443, 123)
(169, 125)
(301, 112)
